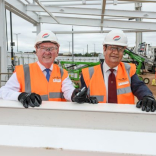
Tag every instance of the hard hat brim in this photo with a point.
(47, 41)
(112, 43)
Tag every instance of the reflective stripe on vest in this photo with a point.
(91, 71)
(128, 67)
(56, 95)
(119, 91)
(99, 97)
(123, 90)
(44, 97)
(28, 84)
(61, 71)
(27, 78)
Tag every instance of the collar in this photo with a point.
(106, 67)
(43, 67)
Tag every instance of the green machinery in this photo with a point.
(139, 61)
(75, 68)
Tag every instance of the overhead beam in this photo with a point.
(45, 9)
(102, 12)
(97, 23)
(142, 1)
(98, 31)
(19, 9)
(94, 12)
(76, 3)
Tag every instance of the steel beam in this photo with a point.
(142, 1)
(98, 31)
(94, 12)
(3, 57)
(97, 23)
(45, 9)
(102, 12)
(19, 9)
(38, 28)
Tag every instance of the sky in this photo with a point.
(94, 41)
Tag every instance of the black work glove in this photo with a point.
(148, 103)
(92, 100)
(82, 97)
(30, 99)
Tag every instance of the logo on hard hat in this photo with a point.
(45, 35)
(116, 38)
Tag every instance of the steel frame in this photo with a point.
(66, 8)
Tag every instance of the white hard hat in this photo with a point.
(116, 37)
(46, 35)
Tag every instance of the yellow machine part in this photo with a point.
(153, 82)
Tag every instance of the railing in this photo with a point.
(5, 77)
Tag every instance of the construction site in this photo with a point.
(68, 128)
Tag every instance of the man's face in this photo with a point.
(113, 54)
(46, 53)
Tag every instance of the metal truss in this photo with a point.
(84, 13)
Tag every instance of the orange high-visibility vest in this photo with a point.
(32, 80)
(94, 80)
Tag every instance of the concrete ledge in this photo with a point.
(72, 115)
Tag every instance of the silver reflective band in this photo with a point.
(128, 67)
(61, 71)
(91, 71)
(88, 91)
(27, 78)
(123, 90)
(56, 95)
(99, 97)
(44, 97)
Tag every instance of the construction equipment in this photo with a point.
(74, 70)
(139, 62)
(154, 80)
(146, 50)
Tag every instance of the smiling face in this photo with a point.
(45, 55)
(112, 56)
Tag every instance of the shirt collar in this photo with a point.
(106, 67)
(43, 67)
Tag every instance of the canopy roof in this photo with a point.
(91, 13)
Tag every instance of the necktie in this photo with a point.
(112, 93)
(48, 74)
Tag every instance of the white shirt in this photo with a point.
(106, 73)
(11, 89)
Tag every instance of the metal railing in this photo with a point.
(6, 77)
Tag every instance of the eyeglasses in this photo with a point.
(113, 48)
(50, 49)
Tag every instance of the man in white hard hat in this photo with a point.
(42, 80)
(114, 81)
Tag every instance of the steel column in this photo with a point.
(38, 28)
(3, 64)
(138, 34)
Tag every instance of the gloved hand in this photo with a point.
(92, 100)
(30, 99)
(80, 96)
(148, 103)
